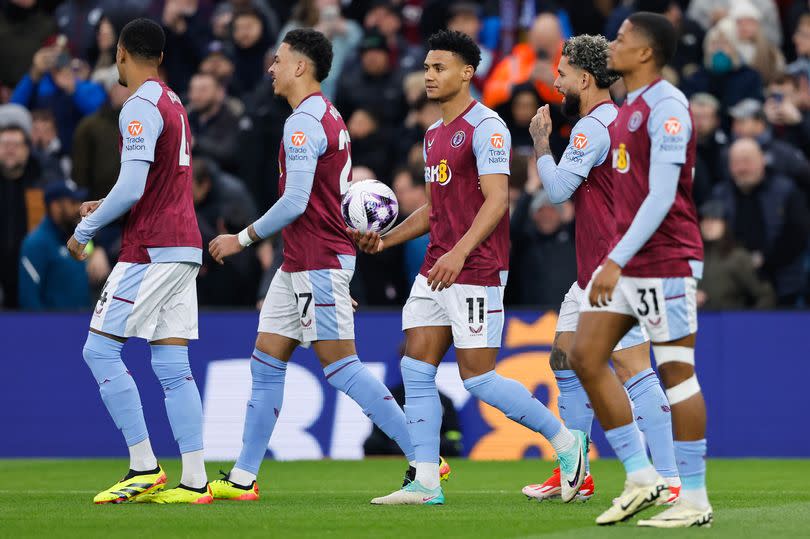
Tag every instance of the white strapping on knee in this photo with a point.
(685, 390)
(667, 354)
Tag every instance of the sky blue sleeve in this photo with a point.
(304, 142)
(140, 124)
(670, 129)
(588, 147)
(127, 190)
(663, 187)
(289, 207)
(492, 146)
(560, 184)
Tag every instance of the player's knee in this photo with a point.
(171, 366)
(675, 364)
(103, 357)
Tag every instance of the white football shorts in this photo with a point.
(475, 313)
(150, 301)
(569, 318)
(309, 306)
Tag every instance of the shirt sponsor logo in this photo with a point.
(496, 140)
(621, 159)
(440, 173)
(580, 141)
(298, 138)
(635, 121)
(457, 140)
(135, 128)
(672, 126)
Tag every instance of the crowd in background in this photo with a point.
(744, 65)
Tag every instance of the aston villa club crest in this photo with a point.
(634, 122)
(458, 139)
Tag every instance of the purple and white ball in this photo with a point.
(370, 205)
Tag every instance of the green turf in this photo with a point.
(751, 498)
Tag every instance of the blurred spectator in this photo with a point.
(375, 83)
(711, 138)
(102, 55)
(730, 280)
(49, 277)
(215, 191)
(23, 28)
(16, 115)
(801, 40)
(47, 148)
(780, 156)
(535, 61)
(345, 34)
(411, 194)
(768, 217)
(250, 40)
(214, 126)
(723, 74)
(384, 16)
(465, 18)
(370, 144)
(51, 84)
(543, 262)
(789, 123)
(518, 113)
(755, 49)
(710, 12)
(424, 113)
(96, 156)
(187, 35)
(21, 203)
(78, 19)
(219, 63)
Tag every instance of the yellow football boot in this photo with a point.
(179, 494)
(132, 486)
(225, 489)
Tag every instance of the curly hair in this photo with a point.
(143, 38)
(315, 46)
(590, 54)
(458, 43)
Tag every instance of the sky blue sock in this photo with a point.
(692, 464)
(654, 419)
(183, 404)
(117, 388)
(574, 405)
(266, 396)
(514, 400)
(350, 376)
(626, 443)
(423, 410)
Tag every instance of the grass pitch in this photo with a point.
(47, 498)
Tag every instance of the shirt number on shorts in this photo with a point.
(471, 309)
(644, 310)
(307, 296)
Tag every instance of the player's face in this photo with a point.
(568, 84)
(282, 70)
(445, 75)
(625, 51)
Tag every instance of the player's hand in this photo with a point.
(88, 207)
(370, 242)
(540, 127)
(445, 271)
(76, 249)
(355, 305)
(224, 245)
(604, 282)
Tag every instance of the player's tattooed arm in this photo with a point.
(540, 130)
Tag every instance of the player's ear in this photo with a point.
(160, 59)
(467, 73)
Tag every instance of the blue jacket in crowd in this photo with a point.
(49, 277)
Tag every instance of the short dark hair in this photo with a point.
(659, 32)
(315, 46)
(457, 43)
(143, 38)
(590, 54)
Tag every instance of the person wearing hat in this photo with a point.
(49, 278)
(730, 280)
(781, 157)
(373, 83)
